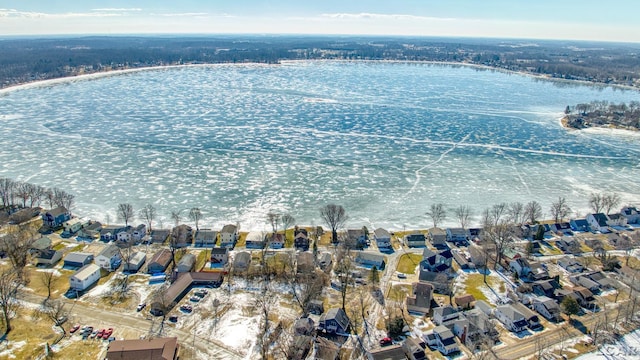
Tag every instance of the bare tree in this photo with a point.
(195, 215)
(516, 212)
(64, 199)
(437, 214)
(596, 202)
(498, 211)
(47, 278)
(287, 221)
(273, 218)
(176, 216)
(344, 272)
(463, 213)
(16, 244)
(500, 234)
(264, 302)
(532, 211)
(610, 201)
(148, 214)
(10, 287)
(125, 213)
(6, 191)
(306, 287)
(335, 217)
(55, 311)
(559, 209)
(50, 198)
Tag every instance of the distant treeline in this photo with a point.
(603, 113)
(24, 60)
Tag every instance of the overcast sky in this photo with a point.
(612, 20)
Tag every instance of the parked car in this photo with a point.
(74, 328)
(402, 276)
(100, 333)
(141, 306)
(94, 334)
(173, 318)
(201, 293)
(386, 341)
(107, 333)
(186, 308)
(195, 299)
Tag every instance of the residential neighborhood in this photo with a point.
(412, 294)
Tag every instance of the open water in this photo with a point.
(385, 140)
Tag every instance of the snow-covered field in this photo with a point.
(627, 348)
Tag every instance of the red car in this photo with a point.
(107, 333)
(75, 328)
(385, 341)
(99, 335)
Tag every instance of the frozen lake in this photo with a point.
(385, 140)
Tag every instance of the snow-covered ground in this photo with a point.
(627, 348)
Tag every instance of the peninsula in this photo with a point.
(603, 114)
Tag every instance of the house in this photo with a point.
(629, 276)
(595, 281)
(24, 215)
(545, 287)
(413, 349)
(325, 260)
(300, 239)
(583, 296)
(109, 258)
(533, 321)
(357, 238)
(275, 242)
(315, 307)
(48, 257)
(182, 236)
(135, 262)
(55, 217)
(562, 228)
(484, 307)
(159, 236)
(305, 263)
(439, 281)
(229, 236)
(138, 232)
(186, 263)
(511, 318)
(445, 340)
(219, 256)
(152, 349)
(444, 314)
(159, 261)
(528, 270)
(478, 255)
(303, 326)
(392, 352)
(241, 261)
(420, 301)
(334, 321)
(437, 237)
(569, 245)
(326, 349)
(571, 265)
(72, 226)
(584, 281)
(632, 214)
(547, 307)
(415, 240)
(457, 235)
(181, 286)
(480, 329)
(598, 222)
(617, 220)
(84, 277)
(383, 238)
(464, 301)
(581, 225)
(90, 232)
(368, 259)
(124, 238)
(77, 259)
(44, 243)
(436, 262)
(110, 232)
(255, 240)
(462, 260)
(206, 238)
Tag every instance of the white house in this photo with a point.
(85, 277)
(631, 213)
(598, 222)
(72, 225)
(511, 318)
(547, 307)
(186, 264)
(135, 262)
(445, 340)
(383, 238)
(109, 258)
(229, 236)
(457, 235)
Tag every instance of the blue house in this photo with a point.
(579, 225)
(55, 217)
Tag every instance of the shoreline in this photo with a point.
(564, 122)
(106, 73)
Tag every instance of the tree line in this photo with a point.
(23, 194)
(603, 113)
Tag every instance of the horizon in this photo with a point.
(498, 19)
